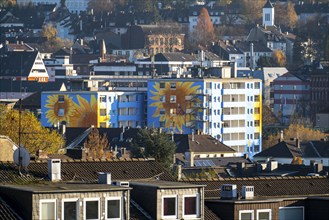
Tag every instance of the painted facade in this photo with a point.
(101, 109)
(227, 109)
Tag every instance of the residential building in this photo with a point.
(172, 200)
(270, 35)
(309, 11)
(162, 41)
(291, 97)
(287, 152)
(199, 149)
(322, 119)
(228, 51)
(86, 108)
(320, 89)
(7, 148)
(216, 15)
(226, 108)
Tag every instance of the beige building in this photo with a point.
(164, 42)
(7, 148)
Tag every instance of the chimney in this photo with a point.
(248, 192)
(252, 58)
(104, 178)
(179, 172)
(81, 41)
(297, 143)
(121, 136)
(228, 191)
(54, 169)
(192, 134)
(172, 136)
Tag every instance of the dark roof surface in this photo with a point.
(268, 4)
(6, 212)
(17, 63)
(165, 57)
(87, 171)
(206, 143)
(270, 186)
(282, 149)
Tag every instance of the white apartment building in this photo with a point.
(74, 6)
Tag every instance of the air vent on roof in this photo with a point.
(121, 183)
(228, 191)
(248, 192)
(54, 169)
(104, 178)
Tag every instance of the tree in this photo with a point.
(96, 144)
(252, 10)
(33, 136)
(279, 58)
(99, 6)
(285, 15)
(155, 144)
(204, 30)
(53, 42)
(7, 2)
(265, 61)
(294, 131)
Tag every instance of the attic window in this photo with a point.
(60, 98)
(169, 205)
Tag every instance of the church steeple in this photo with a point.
(268, 14)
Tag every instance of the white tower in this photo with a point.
(268, 14)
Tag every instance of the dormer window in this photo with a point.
(169, 207)
(191, 206)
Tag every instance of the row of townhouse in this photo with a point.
(142, 189)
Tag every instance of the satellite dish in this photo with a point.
(25, 157)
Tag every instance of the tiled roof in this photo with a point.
(206, 143)
(268, 4)
(282, 149)
(87, 171)
(208, 214)
(6, 212)
(269, 186)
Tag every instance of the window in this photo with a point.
(246, 215)
(110, 99)
(267, 17)
(102, 124)
(264, 214)
(291, 213)
(172, 85)
(102, 98)
(162, 98)
(60, 98)
(172, 99)
(169, 207)
(113, 208)
(70, 209)
(102, 112)
(162, 112)
(61, 112)
(162, 85)
(91, 209)
(48, 209)
(191, 206)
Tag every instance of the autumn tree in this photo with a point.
(204, 31)
(32, 135)
(285, 15)
(279, 58)
(252, 10)
(294, 131)
(155, 144)
(265, 61)
(7, 3)
(53, 42)
(96, 144)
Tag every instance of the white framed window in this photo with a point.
(173, 99)
(61, 112)
(102, 98)
(70, 209)
(91, 208)
(291, 213)
(264, 214)
(162, 98)
(191, 206)
(113, 207)
(246, 215)
(48, 209)
(169, 206)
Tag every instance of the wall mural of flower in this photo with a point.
(85, 113)
(171, 105)
(59, 110)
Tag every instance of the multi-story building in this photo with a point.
(164, 42)
(320, 89)
(86, 108)
(291, 96)
(227, 108)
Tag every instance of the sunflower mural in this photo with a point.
(172, 109)
(60, 108)
(85, 113)
(75, 110)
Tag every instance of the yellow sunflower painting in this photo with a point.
(85, 113)
(171, 105)
(59, 110)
